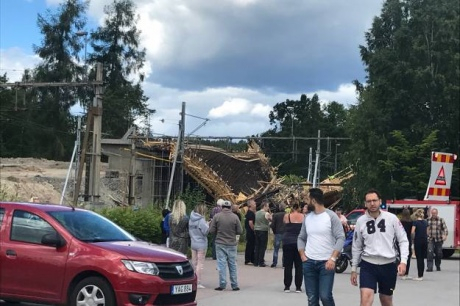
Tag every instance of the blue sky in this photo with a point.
(230, 62)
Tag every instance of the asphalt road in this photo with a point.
(264, 286)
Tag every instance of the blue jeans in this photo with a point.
(226, 255)
(318, 282)
(276, 248)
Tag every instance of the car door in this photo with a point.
(31, 269)
(2, 214)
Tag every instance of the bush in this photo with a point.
(143, 223)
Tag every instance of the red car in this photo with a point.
(67, 256)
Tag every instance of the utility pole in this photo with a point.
(316, 174)
(180, 160)
(291, 112)
(335, 162)
(96, 140)
(132, 170)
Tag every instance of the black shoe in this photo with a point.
(262, 265)
(429, 270)
(273, 266)
(438, 268)
(219, 289)
(236, 289)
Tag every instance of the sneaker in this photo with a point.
(406, 277)
(219, 289)
(200, 286)
(429, 270)
(236, 289)
(287, 290)
(273, 266)
(298, 290)
(418, 278)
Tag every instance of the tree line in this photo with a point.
(407, 107)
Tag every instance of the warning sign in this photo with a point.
(441, 176)
(441, 179)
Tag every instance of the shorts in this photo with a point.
(384, 276)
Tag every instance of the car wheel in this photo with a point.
(92, 291)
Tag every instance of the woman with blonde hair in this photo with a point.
(420, 237)
(178, 224)
(198, 229)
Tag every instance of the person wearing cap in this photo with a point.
(225, 226)
(217, 209)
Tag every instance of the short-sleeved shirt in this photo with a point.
(420, 230)
(249, 216)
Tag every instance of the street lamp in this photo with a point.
(335, 164)
(85, 34)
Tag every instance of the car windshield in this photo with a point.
(90, 227)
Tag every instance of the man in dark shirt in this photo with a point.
(250, 235)
(277, 227)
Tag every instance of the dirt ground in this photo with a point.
(24, 178)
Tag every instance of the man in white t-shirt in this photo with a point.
(378, 234)
(319, 243)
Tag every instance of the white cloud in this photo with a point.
(54, 2)
(345, 94)
(232, 111)
(14, 61)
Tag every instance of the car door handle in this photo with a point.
(10, 253)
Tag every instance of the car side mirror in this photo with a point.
(53, 239)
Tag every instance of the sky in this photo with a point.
(230, 61)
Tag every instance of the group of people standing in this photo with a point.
(180, 232)
(426, 236)
(312, 237)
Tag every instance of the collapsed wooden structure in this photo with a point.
(240, 176)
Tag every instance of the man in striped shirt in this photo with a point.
(437, 234)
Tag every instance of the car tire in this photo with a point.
(94, 288)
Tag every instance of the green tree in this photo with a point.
(412, 91)
(39, 122)
(116, 45)
(303, 118)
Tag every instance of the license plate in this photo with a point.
(181, 289)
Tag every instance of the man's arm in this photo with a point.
(212, 226)
(357, 246)
(445, 231)
(302, 242)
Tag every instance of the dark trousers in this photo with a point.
(409, 258)
(261, 247)
(250, 247)
(292, 258)
(434, 251)
(420, 248)
(213, 247)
